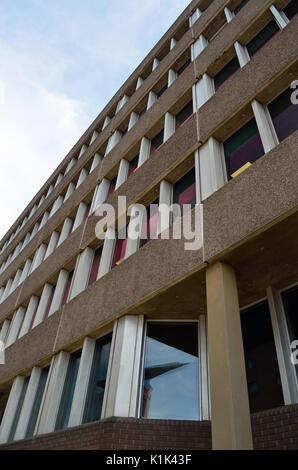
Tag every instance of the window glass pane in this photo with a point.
(95, 266)
(133, 166)
(290, 300)
(152, 223)
(119, 252)
(68, 391)
(171, 375)
(97, 380)
(112, 186)
(291, 9)
(264, 36)
(37, 402)
(185, 189)
(226, 72)
(284, 114)
(66, 292)
(244, 146)
(156, 142)
(240, 6)
(18, 410)
(184, 114)
(184, 66)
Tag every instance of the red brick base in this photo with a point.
(272, 429)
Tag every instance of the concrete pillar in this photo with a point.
(144, 151)
(198, 46)
(94, 137)
(194, 17)
(122, 173)
(83, 150)
(69, 191)
(121, 103)
(165, 198)
(52, 244)
(155, 63)
(106, 122)
(230, 423)
(26, 270)
(33, 210)
(4, 330)
(57, 204)
(39, 204)
(229, 15)
(16, 280)
(66, 229)
(139, 82)
(151, 99)
(169, 126)
(6, 290)
(31, 309)
(11, 408)
(49, 408)
(44, 220)
(113, 141)
(265, 125)
(51, 187)
(16, 251)
(26, 218)
(59, 291)
(26, 239)
(43, 303)
(204, 90)
(107, 253)
(34, 231)
(132, 244)
(97, 159)
(100, 194)
(28, 403)
(82, 177)
(80, 215)
(82, 383)
(173, 43)
(134, 117)
(280, 17)
(172, 76)
(70, 164)
(16, 322)
(210, 168)
(242, 54)
(59, 179)
(38, 257)
(1, 292)
(81, 273)
(122, 385)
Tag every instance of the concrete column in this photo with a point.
(121, 103)
(28, 403)
(57, 204)
(151, 99)
(230, 423)
(70, 164)
(242, 54)
(94, 137)
(155, 63)
(82, 383)
(66, 229)
(82, 177)
(100, 194)
(33, 210)
(16, 280)
(6, 290)
(169, 126)
(26, 270)
(51, 187)
(26, 218)
(229, 15)
(211, 169)
(16, 251)
(122, 386)
(173, 43)
(265, 125)
(139, 82)
(59, 291)
(280, 17)
(52, 244)
(81, 273)
(132, 245)
(144, 151)
(204, 90)
(134, 117)
(70, 190)
(122, 173)
(29, 315)
(49, 408)
(97, 159)
(11, 408)
(106, 122)
(113, 141)
(198, 46)
(107, 253)
(172, 76)
(39, 204)
(34, 231)
(59, 179)
(194, 17)
(44, 220)
(4, 330)
(80, 215)
(15, 326)
(43, 303)
(83, 150)
(38, 257)
(26, 239)
(165, 198)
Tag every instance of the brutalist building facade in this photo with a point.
(166, 342)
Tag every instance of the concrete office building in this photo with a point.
(135, 344)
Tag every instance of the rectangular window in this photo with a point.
(87, 211)
(49, 303)
(184, 191)
(240, 6)
(244, 146)
(112, 186)
(68, 391)
(37, 402)
(95, 265)
(119, 251)
(18, 410)
(290, 301)
(66, 292)
(133, 166)
(262, 38)
(284, 114)
(34, 314)
(157, 142)
(291, 9)
(184, 114)
(97, 381)
(183, 67)
(151, 223)
(226, 72)
(163, 89)
(171, 372)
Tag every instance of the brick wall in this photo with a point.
(272, 429)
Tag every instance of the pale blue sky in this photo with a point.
(61, 62)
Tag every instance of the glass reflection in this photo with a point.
(171, 375)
